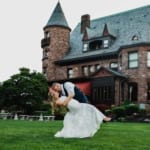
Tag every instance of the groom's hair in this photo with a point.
(54, 84)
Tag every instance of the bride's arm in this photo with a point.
(67, 100)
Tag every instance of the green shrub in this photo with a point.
(142, 112)
(45, 107)
(126, 102)
(119, 111)
(108, 112)
(131, 108)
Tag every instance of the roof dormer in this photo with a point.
(94, 40)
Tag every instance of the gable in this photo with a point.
(102, 73)
(106, 72)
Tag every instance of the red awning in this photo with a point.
(85, 87)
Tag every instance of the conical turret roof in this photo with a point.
(57, 18)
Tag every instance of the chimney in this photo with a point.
(85, 22)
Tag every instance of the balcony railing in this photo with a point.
(45, 42)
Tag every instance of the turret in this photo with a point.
(55, 43)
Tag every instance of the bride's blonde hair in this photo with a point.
(53, 96)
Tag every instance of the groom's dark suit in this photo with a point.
(79, 95)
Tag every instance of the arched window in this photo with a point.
(135, 38)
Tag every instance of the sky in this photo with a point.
(22, 22)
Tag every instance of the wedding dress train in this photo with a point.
(81, 121)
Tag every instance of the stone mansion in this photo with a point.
(108, 58)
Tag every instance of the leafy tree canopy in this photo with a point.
(23, 90)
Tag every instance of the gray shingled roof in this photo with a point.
(122, 25)
(57, 18)
(116, 73)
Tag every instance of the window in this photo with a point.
(94, 45)
(92, 69)
(148, 58)
(85, 70)
(47, 34)
(45, 54)
(114, 65)
(120, 60)
(132, 91)
(133, 60)
(45, 71)
(97, 66)
(102, 94)
(70, 73)
(85, 47)
(106, 42)
(148, 91)
(135, 38)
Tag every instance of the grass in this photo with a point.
(35, 135)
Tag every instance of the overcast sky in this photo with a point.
(22, 22)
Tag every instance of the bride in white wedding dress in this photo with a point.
(81, 121)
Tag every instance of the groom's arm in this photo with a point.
(70, 89)
(64, 102)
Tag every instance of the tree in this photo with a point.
(25, 90)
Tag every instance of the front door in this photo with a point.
(103, 91)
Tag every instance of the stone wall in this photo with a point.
(59, 46)
(139, 74)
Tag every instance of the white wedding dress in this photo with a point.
(81, 121)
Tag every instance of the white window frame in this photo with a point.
(148, 58)
(85, 47)
(106, 43)
(70, 73)
(133, 62)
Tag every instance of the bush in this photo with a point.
(45, 107)
(119, 111)
(142, 112)
(108, 112)
(126, 102)
(131, 108)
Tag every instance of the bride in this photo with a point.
(81, 121)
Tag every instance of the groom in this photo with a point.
(70, 90)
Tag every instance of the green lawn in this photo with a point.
(35, 135)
